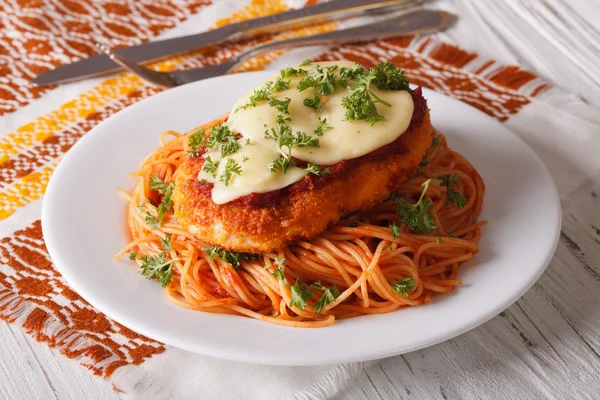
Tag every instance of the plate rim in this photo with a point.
(74, 283)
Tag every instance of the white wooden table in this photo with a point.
(546, 345)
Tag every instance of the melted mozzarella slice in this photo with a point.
(256, 177)
(345, 140)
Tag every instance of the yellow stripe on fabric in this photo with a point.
(32, 186)
(27, 189)
(87, 103)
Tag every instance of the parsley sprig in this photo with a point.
(425, 159)
(452, 195)
(416, 216)
(315, 169)
(300, 293)
(166, 191)
(231, 167)
(322, 127)
(286, 140)
(403, 286)
(223, 138)
(234, 258)
(157, 267)
(329, 295)
(195, 141)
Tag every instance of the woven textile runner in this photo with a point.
(38, 35)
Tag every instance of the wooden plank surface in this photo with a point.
(544, 346)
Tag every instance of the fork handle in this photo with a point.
(420, 21)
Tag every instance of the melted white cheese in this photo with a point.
(256, 177)
(345, 140)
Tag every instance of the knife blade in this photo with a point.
(101, 64)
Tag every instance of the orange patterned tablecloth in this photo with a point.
(37, 131)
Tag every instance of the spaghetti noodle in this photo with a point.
(373, 268)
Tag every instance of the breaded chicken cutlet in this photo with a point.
(267, 221)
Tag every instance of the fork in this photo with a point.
(420, 21)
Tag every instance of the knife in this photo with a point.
(101, 64)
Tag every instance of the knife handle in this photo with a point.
(313, 14)
(416, 22)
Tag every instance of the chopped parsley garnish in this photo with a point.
(425, 160)
(166, 190)
(191, 154)
(261, 94)
(451, 235)
(232, 257)
(285, 140)
(328, 297)
(248, 141)
(322, 127)
(439, 240)
(416, 216)
(360, 102)
(353, 73)
(210, 167)
(290, 72)
(281, 85)
(315, 169)
(452, 195)
(204, 181)
(282, 106)
(353, 224)
(246, 158)
(395, 230)
(279, 273)
(157, 267)
(275, 314)
(132, 255)
(221, 136)
(197, 139)
(403, 286)
(389, 77)
(280, 261)
(315, 102)
(321, 79)
(281, 164)
(305, 62)
(232, 167)
(300, 293)
(165, 243)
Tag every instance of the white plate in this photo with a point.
(83, 221)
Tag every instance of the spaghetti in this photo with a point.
(373, 268)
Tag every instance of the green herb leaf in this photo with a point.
(232, 167)
(280, 261)
(321, 79)
(300, 293)
(403, 286)
(452, 195)
(157, 267)
(281, 164)
(282, 106)
(315, 169)
(281, 85)
(315, 102)
(303, 140)
(322, 127)
(259, 95)
(328, 297)
(425, 160)
(451, 235)
(439, 240)
(389, 77)
(166, 190)
(132, 255)
(166, 244)
(395, 230)
(210, 167)
(234, 258)
(360, 102)
(279, 273)
(305, 62)
(353, 73)
(197, 139)
(221, 136)
(416, 216)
